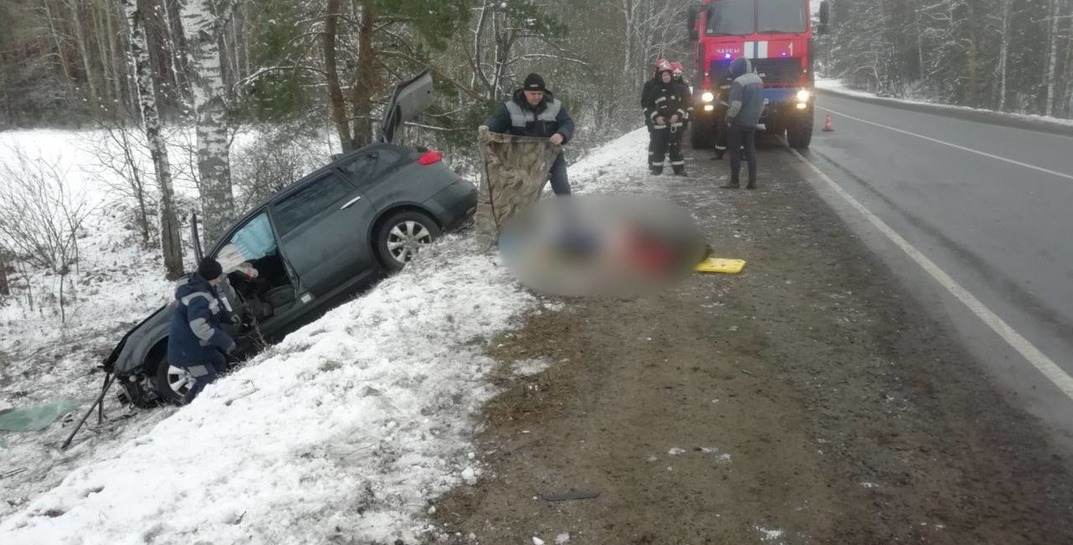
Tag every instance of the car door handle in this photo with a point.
(350, 202)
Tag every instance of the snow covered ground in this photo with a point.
(837, 86)
(346, 430)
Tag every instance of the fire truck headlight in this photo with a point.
(707, 96)
(803, 95)
(709, 107)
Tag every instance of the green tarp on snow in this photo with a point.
(36, 418)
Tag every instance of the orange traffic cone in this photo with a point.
(827, 127)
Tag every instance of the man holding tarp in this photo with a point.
(521, 149)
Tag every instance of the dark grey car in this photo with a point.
(314, 244)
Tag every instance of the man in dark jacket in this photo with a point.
(195, 340)
(534, 111)
(743, 114)
(664, 105)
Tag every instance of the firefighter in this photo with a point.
(533, 111)
(677, 70)
(746, 104)
(664, 115)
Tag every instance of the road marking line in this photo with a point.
(1033, 355)
(963, 148)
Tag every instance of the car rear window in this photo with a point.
(309, 201)
(368, 166)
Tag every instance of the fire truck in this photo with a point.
(776, 36)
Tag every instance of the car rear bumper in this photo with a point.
(453, 205)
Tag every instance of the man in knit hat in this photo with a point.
(534, 111)
(195, 340)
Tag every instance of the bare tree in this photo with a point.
(121, 154)
(4, 288)
(83, 51)
(1052, 59)
(39, 218)
(202, 23)
(170, 242)
(1004, 55)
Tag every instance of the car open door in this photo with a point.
(410, 99)
(321, 231)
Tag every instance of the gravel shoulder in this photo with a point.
(808, 400)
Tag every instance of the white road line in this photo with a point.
(962, 148)
(1033, 355)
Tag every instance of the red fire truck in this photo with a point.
(776, 36)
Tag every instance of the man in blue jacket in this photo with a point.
(743, 114)
(533, 111)
(195, 340)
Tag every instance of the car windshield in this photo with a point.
(780, 16)
(255, 240)
(741, 17)
(731, 17)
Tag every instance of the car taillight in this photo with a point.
(430, 157)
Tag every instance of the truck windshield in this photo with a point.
(780, 16)
(740, 17)
(731, 17)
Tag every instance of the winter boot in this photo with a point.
(751, 184)
(732, 184)
(656, 170)
(679, 171)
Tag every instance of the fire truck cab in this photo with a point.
(776, 36)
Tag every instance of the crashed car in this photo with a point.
(314, 244)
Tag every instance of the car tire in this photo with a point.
(171, 382)
(401, 236)
(799, 136)
(700, 135)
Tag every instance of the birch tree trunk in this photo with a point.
(169, 224)
(1004, 55)
(56, 40)
(97, 13)
(115, 59)
(1052, 60)
(201, 26)
(83, 52)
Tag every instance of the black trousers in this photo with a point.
(737, 137)
(664, 140)
(560, 183)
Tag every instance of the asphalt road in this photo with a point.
(991, 207)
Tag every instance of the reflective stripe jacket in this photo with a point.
(664, 99)
(517, 117)
(195, 325)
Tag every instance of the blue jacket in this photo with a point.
(195, 337)
(746, 95)
(517, 117)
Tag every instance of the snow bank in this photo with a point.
(345, 431)
(837, 86)
(348, 428)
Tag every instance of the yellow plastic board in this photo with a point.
(720, 265)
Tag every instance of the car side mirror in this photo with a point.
(825, 15)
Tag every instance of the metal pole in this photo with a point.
(108, 379)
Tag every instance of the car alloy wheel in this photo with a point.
(406, 238)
